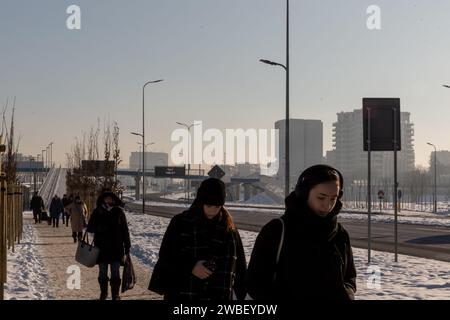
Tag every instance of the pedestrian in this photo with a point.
(37, 205)
(78, 215)
(66, 202)
(201, 256)
(56, 208)
(305, 254)
(109, 225)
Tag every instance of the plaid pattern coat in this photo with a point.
(191, 237)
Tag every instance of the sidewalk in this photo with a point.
(57, 250)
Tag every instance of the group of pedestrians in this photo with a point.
(304, 254)
(71, 208)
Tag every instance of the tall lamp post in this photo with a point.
(143, 140)
(188, 127)
(51, 154)
(286, 68)
(44, 162)
(435, 178)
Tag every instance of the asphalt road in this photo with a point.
(431, 242)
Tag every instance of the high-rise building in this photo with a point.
(348, 155)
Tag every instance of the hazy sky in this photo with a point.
(207, 51)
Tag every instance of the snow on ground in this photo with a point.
(147, 232)
(27, 279)
(410, 278)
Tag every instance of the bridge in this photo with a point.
(151, 173)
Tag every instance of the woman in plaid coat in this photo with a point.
(201, 256)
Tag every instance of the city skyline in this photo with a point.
(208, 53)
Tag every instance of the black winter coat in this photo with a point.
(111, 234)
(56, 207)
(36, 203)
(316, 260)
(189, 238)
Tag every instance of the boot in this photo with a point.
(115, 287)
(103, 282)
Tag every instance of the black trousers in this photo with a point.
(37, 215)
(77, 235)
(55, 221)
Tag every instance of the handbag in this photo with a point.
(87, 253)
(128, 275)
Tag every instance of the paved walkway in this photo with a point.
(57, 249)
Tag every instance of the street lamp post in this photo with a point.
(44, 159)
(47, 155)
(435, 178)
(51, 154)
(286, 68)
(143, 140)
(188, 127)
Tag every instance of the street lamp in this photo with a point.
(143, 140)
(43, 159)
(435, 178)
(51, 154)
(286, 68)
(188, 127)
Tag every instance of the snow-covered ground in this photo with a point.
(27, 279)
(410, 278)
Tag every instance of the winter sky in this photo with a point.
(207, 52)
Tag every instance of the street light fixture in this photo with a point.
(188, 127)
(287, 174)
(143, 140)
(435, 178)
(286, 68)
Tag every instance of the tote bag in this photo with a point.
(87, 253)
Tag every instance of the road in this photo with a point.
(431, 242)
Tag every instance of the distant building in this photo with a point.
(305, 146)
(442, 162)
(27, 161)
(152, 159)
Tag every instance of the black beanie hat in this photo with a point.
(211, 192)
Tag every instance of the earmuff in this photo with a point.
(304, 181)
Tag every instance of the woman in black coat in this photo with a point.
(315, 259)
(111, 236)
(201, 256)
